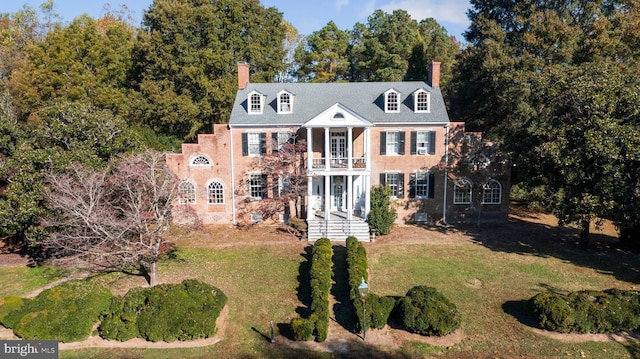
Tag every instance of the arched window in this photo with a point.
(186, 192)
(284, 105)
(462, 192)
(255, 103)
(200, 160)
(215, 193)
(392, 101)
(422, 101)
(492, 193)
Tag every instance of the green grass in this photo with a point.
(20, 280)
(488, 282)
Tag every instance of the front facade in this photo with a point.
(355, 136)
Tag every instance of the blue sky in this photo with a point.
(305, 17)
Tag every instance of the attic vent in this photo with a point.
(338, 116)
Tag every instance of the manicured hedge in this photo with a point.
(166, 312)
(66, 312)
(378, 308)
(320, 280)
(609, 311)
(426, 311)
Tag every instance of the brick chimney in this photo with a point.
(434, 74)
(243, 75)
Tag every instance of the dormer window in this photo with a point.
(392, 101)
(256, 103)
(422, 101)
(285, 102)
(200, 161)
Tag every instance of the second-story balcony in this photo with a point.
(341, 163)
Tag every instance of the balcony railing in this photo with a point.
(339, 163)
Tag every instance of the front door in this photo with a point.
(338, 193)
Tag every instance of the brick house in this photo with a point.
(357, 135)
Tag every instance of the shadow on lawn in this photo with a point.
(528, 238)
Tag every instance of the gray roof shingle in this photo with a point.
(364, 98)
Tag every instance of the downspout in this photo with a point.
(446, 175)
(233, 180)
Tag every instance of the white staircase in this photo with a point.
(337, 229)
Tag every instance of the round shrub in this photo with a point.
(165, 312)
(553, 313)
(65, 313)
(378, 310)
(427, 312)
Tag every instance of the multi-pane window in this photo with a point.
(422, 142)
(392, 102)
(215, 192)
(462, 192)
(422, 101)
(392, 180)
(280, 139)
(200, 160)
(186, 192)
(255, 186)
(492, 192)
(421, 185)
(255, 103)
(392, 143)
(253, 144)
(284, 105)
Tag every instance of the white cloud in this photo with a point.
(450, 11)
(340, 4)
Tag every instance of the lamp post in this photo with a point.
(363, 288)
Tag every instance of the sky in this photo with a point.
(305, 17)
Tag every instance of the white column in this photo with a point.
(310, 213)
(367, 195)
(327, 148)
(349, 197)
(309, 148)
(367, 148)
(350, 148)
(327, 196)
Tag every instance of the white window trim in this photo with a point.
(259, 176)
(457, 188)
(415, 101)
(280, 102)
(486, 186)
(422, 150)
(249, 143)
(195, 191)
(387, 103)
(250, 109)
(397, 187)
(194, 158)
(415, 189)
(223, 190)
(396, 150)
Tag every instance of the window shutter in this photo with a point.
(263, 143)
(400, 185)
(245, 145)
(401, 142)
(414, 142)
(274, 187)
(431, 185)
(265, 186)
(383, 179)
(432, 142)
(383, 143)
(412, 185)
(274, 142)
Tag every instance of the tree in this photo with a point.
(285, 164)
(513, 83)
(86, 61)
(66, 133)
(113, 218)
(382, 215)
(185, 59)
(323, 55)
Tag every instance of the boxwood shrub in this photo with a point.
(166, 312)
(609, 311)
(320, 275)
(66, 312)
(426, 311)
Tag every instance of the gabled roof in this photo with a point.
(366, 99)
